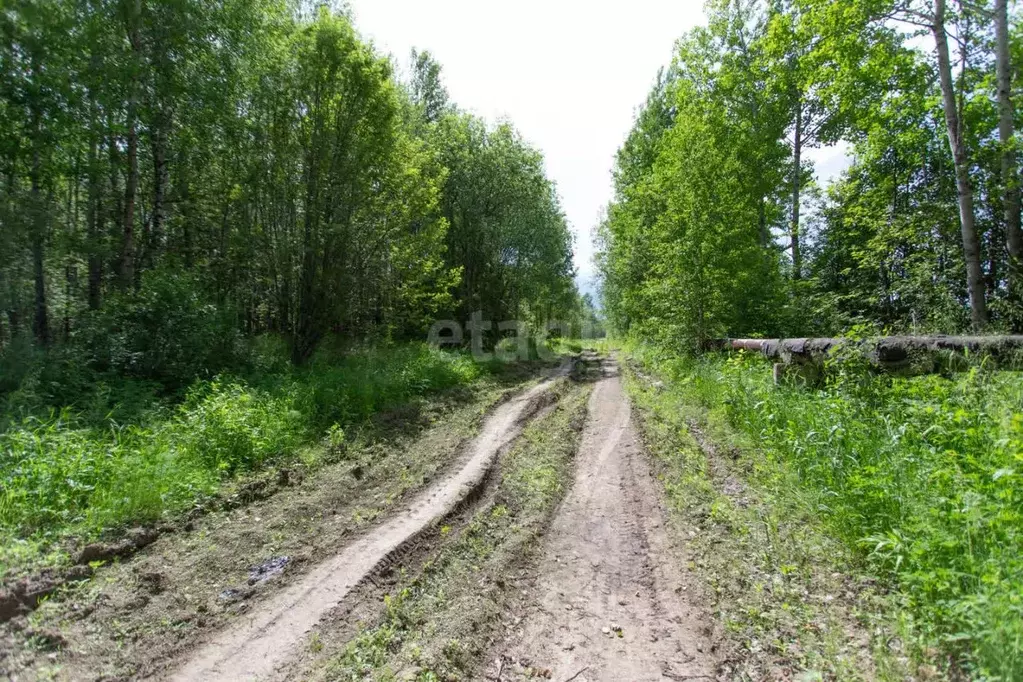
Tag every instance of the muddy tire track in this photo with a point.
(263, 641)
(610, 601)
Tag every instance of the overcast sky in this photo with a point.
(568, 73)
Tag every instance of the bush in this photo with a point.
(18, 359)
(367, 381)
(154, 341)
(72, 472)
(165, 332)
(228, 427)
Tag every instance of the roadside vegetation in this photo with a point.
(907, 485)
(719, 228)
(227, 230)
(71, 472)
(140, 611)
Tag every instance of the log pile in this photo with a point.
(901, 355)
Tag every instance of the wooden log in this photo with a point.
(908, 355)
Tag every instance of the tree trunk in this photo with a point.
(765, 234)
(1010, 173)
(307, 326)
(186, 226)
(13, 320)
(995, 238)
(8, 295)
(160, 181)
(132, 178)
(128, 217)
(3, 286)
(41, 318)
(116, 196)
(93, 220)
(70, 281)
(797, 177)
(967, 217)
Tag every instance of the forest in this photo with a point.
(233, 445)
(719, 227)
(234, 219)
(202, 174)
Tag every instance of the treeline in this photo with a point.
(180, 176)
(718, 227)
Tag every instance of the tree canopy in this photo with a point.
(718, 226)
(255, 167)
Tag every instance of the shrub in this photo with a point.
(166, 331)
(367, 381)
(227, 427)
(18, 359)
(75, 472)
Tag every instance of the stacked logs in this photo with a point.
(901, 355)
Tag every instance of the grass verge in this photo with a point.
(137, 616)
(912, 481)
(786, 594)
(70, 475)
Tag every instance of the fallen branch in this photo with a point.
(578, 674)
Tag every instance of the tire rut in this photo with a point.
(262, 643)
(610, 601)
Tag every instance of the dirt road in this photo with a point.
(610, 603)
(561, 564)
(268, 637)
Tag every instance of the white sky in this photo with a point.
(569, 74)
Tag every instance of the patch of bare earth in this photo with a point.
(257, 646)
(141, 616)
(608, 601)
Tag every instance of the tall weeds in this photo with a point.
(69, 472)
(923, 477)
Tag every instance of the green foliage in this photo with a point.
(17, 359)
(63, 473)
(715, 165)
(177, 177)
(58, 474)
(229, 428)
(682, 258)
(203, 195)
(756, 536)
(507, 234)
(916, 475)
(350, 389)
(166, 331)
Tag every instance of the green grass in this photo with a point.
(918, 477)
(71, 473)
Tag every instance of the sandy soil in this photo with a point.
(266, 638)
(607, 598)
(610, 602)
